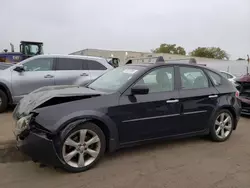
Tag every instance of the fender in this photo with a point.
(70, 121)
(223, 104)
(8, 92)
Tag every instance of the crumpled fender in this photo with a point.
(69, 122)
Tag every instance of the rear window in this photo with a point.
(69, 64)
(94, 65)
(216, 78)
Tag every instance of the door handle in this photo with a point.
(212, 96)
(84, 74)
(48, 76)
(172, 101)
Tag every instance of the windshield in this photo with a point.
(114, 79)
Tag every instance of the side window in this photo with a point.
(229, 76)
(94, 65)
(193, 78)
(69, 64)
(216, 78)
(224, 75)
(159, 80)
(42, 64)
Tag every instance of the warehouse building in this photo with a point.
(235, 67)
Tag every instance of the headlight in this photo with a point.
(23, 123)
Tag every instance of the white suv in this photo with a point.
(47, 70)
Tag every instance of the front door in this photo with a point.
(37, 73)
(150, 116)
(198, 99)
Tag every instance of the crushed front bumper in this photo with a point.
(38, 147)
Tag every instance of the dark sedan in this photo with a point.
(71, 127)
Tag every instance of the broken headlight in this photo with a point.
(22, 124)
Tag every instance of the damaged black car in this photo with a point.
(72, 127)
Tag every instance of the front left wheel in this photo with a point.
(83, 147)
(3, 101)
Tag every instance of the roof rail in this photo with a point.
(160, 59)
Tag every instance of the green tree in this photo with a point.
(210, 52)
(170, 49)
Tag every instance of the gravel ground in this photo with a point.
(187, 163)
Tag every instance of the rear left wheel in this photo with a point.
(222, 126)
(83, 147)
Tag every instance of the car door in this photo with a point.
(153, 115)
(96, 69)
(37, 73)
(198, 99)
(69, 70)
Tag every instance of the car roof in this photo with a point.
(69, 56)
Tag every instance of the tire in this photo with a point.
(83, 149)
(3, 101)
(217, 136)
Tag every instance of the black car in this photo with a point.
(72, 127)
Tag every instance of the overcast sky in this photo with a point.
(66, 26)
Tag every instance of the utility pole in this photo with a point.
(248, 63)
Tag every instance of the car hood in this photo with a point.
(47, 96)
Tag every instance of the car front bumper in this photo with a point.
(38, 147)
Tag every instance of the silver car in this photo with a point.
(47, 70)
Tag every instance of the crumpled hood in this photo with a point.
(41, 95)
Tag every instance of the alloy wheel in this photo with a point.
(223, 125)
(0, 101)
(81, 148)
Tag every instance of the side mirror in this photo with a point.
(139, 90)
(19, 68)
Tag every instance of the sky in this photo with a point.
(67, 26)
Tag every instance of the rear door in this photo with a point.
(69, 70)
(198, 99)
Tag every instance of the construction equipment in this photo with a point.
(113, 61)
(27, 49)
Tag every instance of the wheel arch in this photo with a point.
(105, 123)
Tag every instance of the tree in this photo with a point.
(170, 49)
(211, 52)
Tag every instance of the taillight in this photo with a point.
(237, 93)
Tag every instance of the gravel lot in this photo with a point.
(188, 163)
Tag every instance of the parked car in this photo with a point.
(47, 70)
(244, 88)
(71, 127)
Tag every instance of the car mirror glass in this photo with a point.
(19, 68)
(139, 90)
